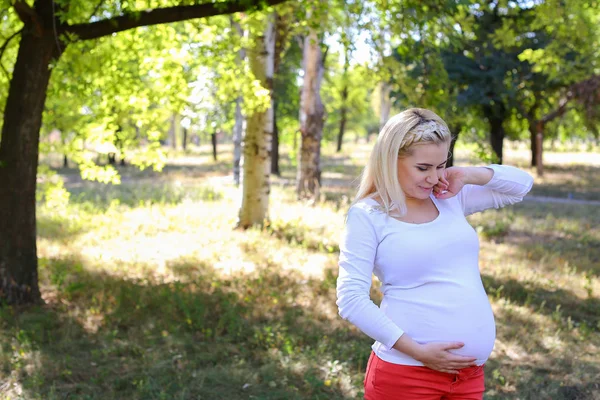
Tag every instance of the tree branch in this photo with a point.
(3, 48)
(5, 45)
(28, 15)
(522, 110)
(96, 8)
(24, 11)
(157, 16)
(562, 108)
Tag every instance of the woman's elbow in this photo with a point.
(527, 185)
(349, 303)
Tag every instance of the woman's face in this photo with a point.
(420, 171)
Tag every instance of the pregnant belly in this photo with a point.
(468, 321)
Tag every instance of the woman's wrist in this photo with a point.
(407, 345)
(478, 175)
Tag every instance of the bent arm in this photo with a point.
(357, 256)
(494, 186)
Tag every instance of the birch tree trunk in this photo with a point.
(259, 132)
(238, 128)
(308, 179)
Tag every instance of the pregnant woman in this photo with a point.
(434, 329)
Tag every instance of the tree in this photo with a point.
(259, 132)
(519, 60)
(48, 27)
(347, 18)
(312, 114)
(562, 73)
(478, 63)
(287, 100)
(338, 95)
(283, 32)
(411, 66)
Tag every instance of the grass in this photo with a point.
(150, 294)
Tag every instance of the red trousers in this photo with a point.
(387, 381)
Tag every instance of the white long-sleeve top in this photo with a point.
(431, 284)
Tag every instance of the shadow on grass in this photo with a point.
(536, 382)
(560, 304)
(581, 250)
(540, 358)
(551, 235)
(256, 335)
(575, 181)
(56, 227)
(265, 334)
(101, 196)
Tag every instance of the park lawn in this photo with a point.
(150, 294)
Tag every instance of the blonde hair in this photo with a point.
(396, 139)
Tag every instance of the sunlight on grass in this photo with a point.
(157, 235)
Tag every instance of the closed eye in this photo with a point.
(426, 168)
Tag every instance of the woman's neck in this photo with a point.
(417, 203)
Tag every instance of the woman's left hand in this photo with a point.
(451, 183)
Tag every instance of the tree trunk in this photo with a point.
(533, 143)
(185, 139)
(238, 128)
(213, 140)
(539, 142)
(39, 48)
(455, 130)
(495, 119)
(64, 144)
(308, 180)
(275, 148)
(344, 108)
(282, 34)
(343, 118)
(238, 131)
(259, 131)
(173, 133)
(497, 139)
(18, 167)
(385, 103)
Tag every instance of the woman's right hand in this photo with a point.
(437, 356)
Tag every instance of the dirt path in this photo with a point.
(543, 199)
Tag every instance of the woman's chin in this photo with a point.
(423, 194)
(419, 196)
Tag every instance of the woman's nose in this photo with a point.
(433, 179)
